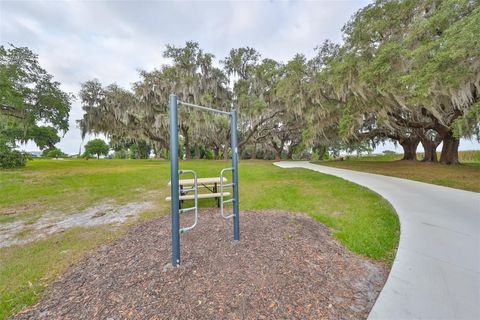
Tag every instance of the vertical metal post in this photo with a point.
(174, 181)
(236, 213)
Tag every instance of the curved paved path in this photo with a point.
(436, 272)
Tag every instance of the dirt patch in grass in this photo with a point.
(22, 232)
(18, 209)
(285, 266)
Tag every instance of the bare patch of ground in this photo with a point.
(21, 232)
(18, 209)
(286, 266)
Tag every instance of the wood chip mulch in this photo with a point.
(286, 266)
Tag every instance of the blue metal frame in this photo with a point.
(174, 173)
(174, 192)
(236, 215)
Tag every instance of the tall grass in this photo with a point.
(469, 156)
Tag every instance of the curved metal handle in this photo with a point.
(195, 189)
(222, 202)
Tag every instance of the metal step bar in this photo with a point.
(185, 210)
(195, 207)
(222, 186)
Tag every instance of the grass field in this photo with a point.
(466, 156)
(465, 176)
(362, 220)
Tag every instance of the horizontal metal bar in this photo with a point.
(183, 230)
(187, 209)
(228, 185)
(229, 201)
(186, 171)
(188, 190)
(204, 108)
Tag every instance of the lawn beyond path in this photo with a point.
(436, 272)
(362, 221)
(464, 176)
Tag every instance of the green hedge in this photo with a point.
(12, 158)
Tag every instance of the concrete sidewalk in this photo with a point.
(436, 272)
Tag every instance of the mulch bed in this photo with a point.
(286, 266)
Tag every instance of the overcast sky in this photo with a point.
(111, 40)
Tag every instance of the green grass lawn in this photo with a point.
(465, 156)
(362, 220)
(465, 176)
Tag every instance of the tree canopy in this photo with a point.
(28, 93)
(96, 147)
(32, 105)
(409, 71)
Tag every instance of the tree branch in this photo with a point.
(258, 124)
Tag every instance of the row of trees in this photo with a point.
(131, 150)
(408, 72)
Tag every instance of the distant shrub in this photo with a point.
(209, 154)
(10, 158)
(56, 153)
(122, 154)
(140, 150)
(304, 154)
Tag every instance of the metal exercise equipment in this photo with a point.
(195, 207)
(174, 174)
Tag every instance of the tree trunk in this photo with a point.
(278, 155)
(254, 151)
(197, 151)
(449, 153)
(225, 152)
(291, 150)
(430, 148)
(290, 154)
(216, 153)
(278, 148)
(409, 148)
(321, 152)
(187, 147)
(430, 154)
